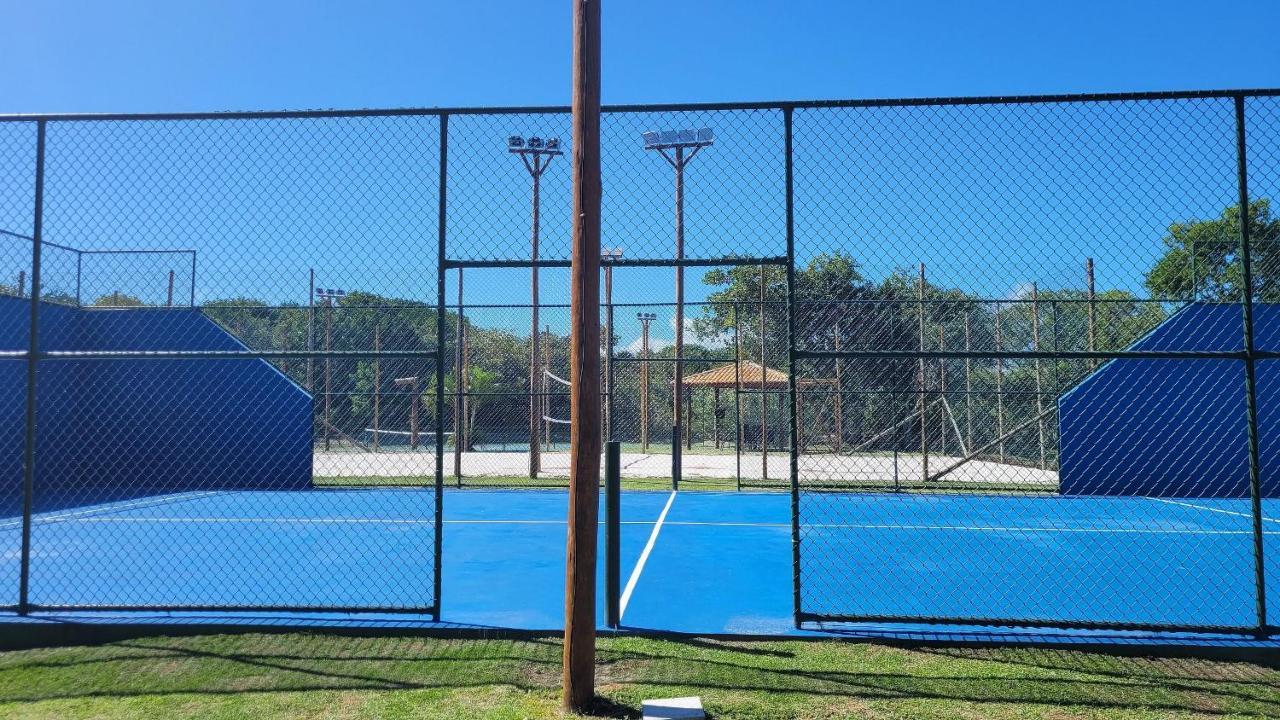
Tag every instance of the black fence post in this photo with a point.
(794, 455)
(612, 531)
(439, 357)
(1250, 375)
(33, 348)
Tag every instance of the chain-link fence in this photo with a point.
(1006, 354)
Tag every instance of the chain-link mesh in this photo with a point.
(1029, 315)
(223, 301)
(997, 348)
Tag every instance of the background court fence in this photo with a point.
(1056, 309)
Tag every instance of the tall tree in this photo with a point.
(1202, 257)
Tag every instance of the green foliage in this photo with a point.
(117, 299)
(1202, 257)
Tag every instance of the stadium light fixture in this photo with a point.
(534, 145)
(670, 139)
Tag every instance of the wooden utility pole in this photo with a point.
(1093, 338)
(645, 319)
(942, 385)
(584, 366)
(546, 388)
(1035, 345)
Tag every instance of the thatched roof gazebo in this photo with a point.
(744, 375)
(729, 375)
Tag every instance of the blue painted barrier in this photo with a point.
(1174, 428)
(120, 428)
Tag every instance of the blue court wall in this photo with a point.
(114, 429)
(1174, 428)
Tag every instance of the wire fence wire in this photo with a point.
(1007, 355)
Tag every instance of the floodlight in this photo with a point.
(646, 316)
(515, 142)
(611, 252)
(688, 138)
(535, 143)
(553, 144)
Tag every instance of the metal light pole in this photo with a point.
(536, 154)
(678, 148)
(607, 256)
(329, 296)
(645, 319)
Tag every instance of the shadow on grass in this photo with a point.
(632, 668)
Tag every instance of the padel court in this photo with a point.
(701, 562)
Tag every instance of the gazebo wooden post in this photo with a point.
(715, 416)
(688, 418)
(800, 414)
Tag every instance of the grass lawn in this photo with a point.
(322, 676)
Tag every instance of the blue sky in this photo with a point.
(128, 56)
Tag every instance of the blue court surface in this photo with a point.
(697, 562)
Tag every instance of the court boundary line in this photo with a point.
(625, 599)
(1213, 509)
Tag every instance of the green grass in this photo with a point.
(321, 676)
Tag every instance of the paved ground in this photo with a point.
(814, 468)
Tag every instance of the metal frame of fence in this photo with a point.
(80, 253)
(1248, 356)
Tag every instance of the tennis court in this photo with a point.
(690, 561)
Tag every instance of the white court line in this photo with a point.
(644, 557)
(1212, 509)
(114, 507)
